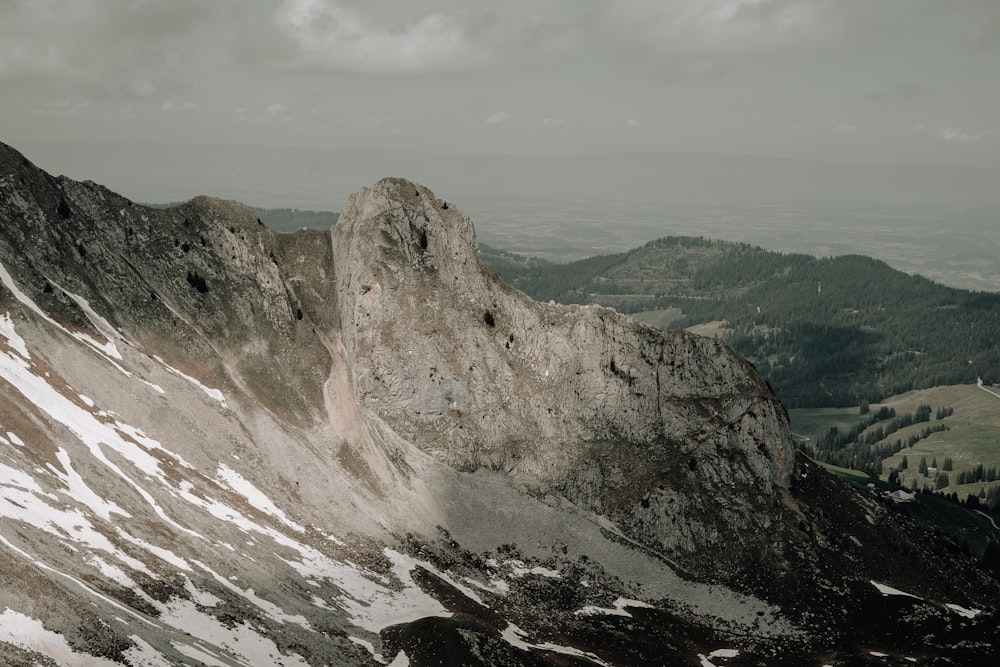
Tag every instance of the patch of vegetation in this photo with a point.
(870, 440)
(957, 468)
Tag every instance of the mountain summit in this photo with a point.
(221, 445)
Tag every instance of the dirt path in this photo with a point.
(979, 383)
(987, 515)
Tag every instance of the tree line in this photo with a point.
(864, 447)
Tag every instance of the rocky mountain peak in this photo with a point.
(622, 418)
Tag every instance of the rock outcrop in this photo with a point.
(639, 424)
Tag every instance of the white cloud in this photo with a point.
(67, 109)
(632, 122)
(897, 92)
(916, 128)
(273, 113)
(498, 117)
(373, 122)
(89, 42)
(959, 135)
(553, 122)
(326, 35)
(680, 27)
(140, 88)
(170, 106)
(275, 109)
(847, 128)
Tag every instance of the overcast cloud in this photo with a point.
(825, 79)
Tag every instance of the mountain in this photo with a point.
(221, 445)
(834, 331)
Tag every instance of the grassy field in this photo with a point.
(973, 434)
(858, 477)
(808, 424)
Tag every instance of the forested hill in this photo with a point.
(825, 332)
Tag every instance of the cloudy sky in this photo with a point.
(898, 81)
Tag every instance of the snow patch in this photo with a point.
(518, 569)
(166, 555)
(22, 499)
(106, 350)
(200, 597)
(29, 633)
(15, 342)
(367, 645)
(201, 656)
(274, 611)
(962, 611)
(101, 324)
(239, 642)
(889, 590)
(144, 654)
(619, 608)
(724, 653)
(254, 496)
(22, 297)
(114, 573)
(91, 431)
(76, 581)
(370, 605)
(401, 660)
(155, 387)
(79, 491)
(515, 636)
(214, 394)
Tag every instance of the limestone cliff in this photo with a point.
(646, 426)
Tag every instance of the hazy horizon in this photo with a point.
(939, 222)
(564, 128)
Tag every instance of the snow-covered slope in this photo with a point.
(222, 446)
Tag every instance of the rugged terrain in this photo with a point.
(221, 445)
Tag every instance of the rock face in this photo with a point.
(204, 278)
(221, 445)
(642, 425)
